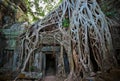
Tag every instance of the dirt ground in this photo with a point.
(112, 75)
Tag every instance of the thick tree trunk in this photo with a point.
(88, 31)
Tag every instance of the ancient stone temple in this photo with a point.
(10, 34)
(83, 38)
(74, 42)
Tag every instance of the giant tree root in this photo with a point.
(86, 39)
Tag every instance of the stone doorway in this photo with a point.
(50, 64)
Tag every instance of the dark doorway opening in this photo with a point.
(50, 64)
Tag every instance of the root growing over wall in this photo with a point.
(86, 37)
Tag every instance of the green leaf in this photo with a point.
(65, 22)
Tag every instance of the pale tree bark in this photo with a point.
(88, 29)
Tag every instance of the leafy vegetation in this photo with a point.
(39, 8)
(32, 68)
(107, 11)
(65, 22)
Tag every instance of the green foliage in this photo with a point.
(39, 8)
(65, 22)
(32, 68)
(111, 13)
(107, 12)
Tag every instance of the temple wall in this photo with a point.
(115, 32)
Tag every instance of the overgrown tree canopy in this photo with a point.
(82, 29)
(79, 26)
(39, 8)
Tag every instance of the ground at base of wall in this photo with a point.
(112, 75)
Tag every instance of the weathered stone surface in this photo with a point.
(115, 32)
(12, 11)
(51, 48)
(12, 32)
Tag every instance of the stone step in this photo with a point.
(50, 78)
